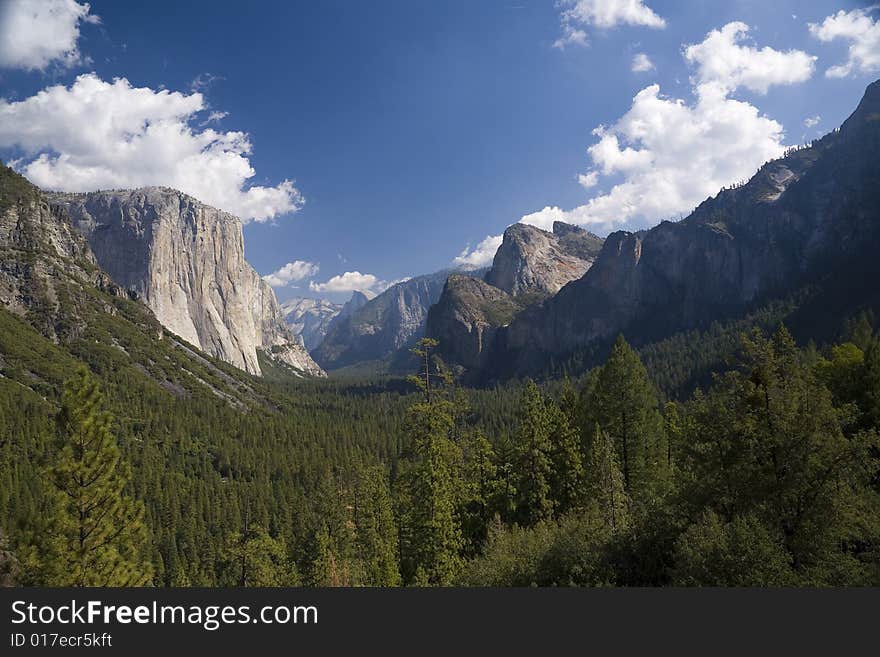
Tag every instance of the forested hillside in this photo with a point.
(768, 477)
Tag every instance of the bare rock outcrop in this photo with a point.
(185, 261)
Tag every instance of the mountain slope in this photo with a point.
(530, 265)
(798, 219)
(466, 317)
(59, 309)
(309, 318)
(185, 260)
(387, 323)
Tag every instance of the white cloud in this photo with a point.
(291, 273)
(602, 14)
(863, 33)
(588, 180)
(666, 155)
(544, 218)
(481, 255)
(642, 63)
(215, 117)
(99, 135)
(350, 281)
(812, 121)
(570, 36)
(35, 33)
(721, 59)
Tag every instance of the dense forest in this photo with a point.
(766, 473)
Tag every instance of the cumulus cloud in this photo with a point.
(812, 121)
(34, 34)
(642, 63)
(98, 135)
(722, 59)
(863, 33)
(602, 14)
(588, 180)
(351, 281)
(666, 155)
(292, 272)
(480, 256)
(544, 218)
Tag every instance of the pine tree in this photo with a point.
(605, 481)
(326, 567)
(567, 476)
(481, 490)
(254, 558)
(625, 405)
(534, 466)
(869, 399)
(766, 441)
(375, 528)
(431, 536)
(98, 535)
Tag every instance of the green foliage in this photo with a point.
(96, 532)
(533, 458)
(605, 485)
(567, 552)
(771, 475)
(254, 558)
(766, 441)
(375, 528)
(624, 404)
(742, 552)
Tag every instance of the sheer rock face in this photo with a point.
(531, 260)
(466, 317)
(310, 318)
(185, 260)
(799, 219)
(383, 326)
(530, 265)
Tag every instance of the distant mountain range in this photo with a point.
(810, 219)
(806, 223)
(375, 333)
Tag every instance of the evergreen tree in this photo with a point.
(431, 537)
(605, 485)
(623, 402)
(534, 465)
(375, 528)
(327, 568)
(567, 475)
(869, 399)
(482, 491)
(740, 553)
(254, 558)
(766, 441)
(97, 530)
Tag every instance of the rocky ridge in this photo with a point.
(801, 218)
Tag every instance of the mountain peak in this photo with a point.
(534, 260)
(868, 109)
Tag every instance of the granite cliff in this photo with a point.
(530, 265)
(803, 218)
(185, 261)
(531, 260)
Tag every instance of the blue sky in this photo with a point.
(410, 130)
